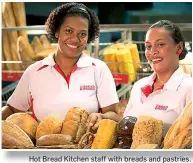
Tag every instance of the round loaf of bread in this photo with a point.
(26, 122)
(49, 125)
(14, 137)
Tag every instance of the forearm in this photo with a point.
(6, 112)
(110, 115)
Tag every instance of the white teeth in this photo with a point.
(71, 46)
(156, 59)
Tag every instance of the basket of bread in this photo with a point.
(21, 131)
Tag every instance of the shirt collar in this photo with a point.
(84, 60)
(173, 83)
(175, 80)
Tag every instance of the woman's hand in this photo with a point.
(93, 120)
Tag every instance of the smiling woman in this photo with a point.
(68, 78)
(154, 95)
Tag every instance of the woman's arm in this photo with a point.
(108, 112)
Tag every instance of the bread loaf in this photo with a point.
(20, 16)
(74, 123)
(8, 17)
(44, 53)
(49, 125)
(26, 122)
(12, 135)
(54, 139)
(36, 44)
(180, 133)
(24, 51)
(6, 47)
(45, 42)
(147, 130)
(4, 67)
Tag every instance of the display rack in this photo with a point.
(96, 51)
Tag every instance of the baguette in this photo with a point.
(4, 67)
(36, 45)
(9, 21)
(24, 51)
(45, 42)
(20, 16)
(180, 131)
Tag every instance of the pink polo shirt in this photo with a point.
(165, 103)
(43, 87)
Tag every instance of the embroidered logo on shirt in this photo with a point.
(161, 107)
(87, 87)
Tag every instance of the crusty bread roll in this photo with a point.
(180, 133)
(26, 122)
(12, 136)
(75, 123)
(49, 125)
(36, 44)
(147, 130)
(54, 139)
(45, 42)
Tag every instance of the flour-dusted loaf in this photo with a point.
(54, 139)
(14, 136)
(147, 130)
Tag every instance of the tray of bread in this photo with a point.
(21, 131)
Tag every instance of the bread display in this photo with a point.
(26, 122)
(179, 134)
(147, 130)
(49, 125)
(13, 136)
(74, 123)
(72, 132)
(106, 135)
(54, 139)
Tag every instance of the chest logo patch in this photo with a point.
(161, 107)
(87, 87)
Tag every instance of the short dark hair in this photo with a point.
(175, 31)
(58, 15)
